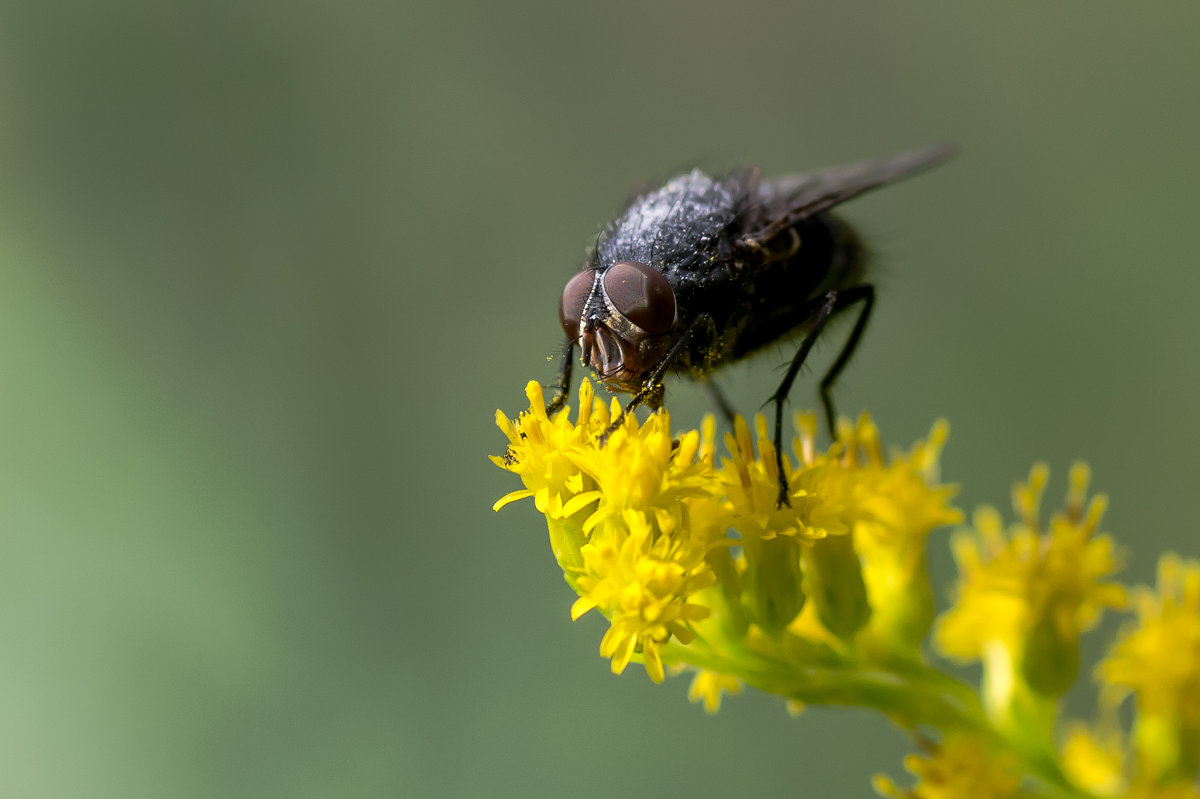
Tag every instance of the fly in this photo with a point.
(706, 271)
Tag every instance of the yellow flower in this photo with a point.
(1158, 661)
(1028, 594)
(644, 469)
(638, 557)
(827, 600)
(892, 504)
(896, 502)
(540, 449)
(642, 582)
(1094, 760)
(644, 522)
(751, 484)
(961, 766)
(709, 686)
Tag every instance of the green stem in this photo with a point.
(918, 696)
(911, 696)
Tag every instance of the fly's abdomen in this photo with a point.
(828, 256)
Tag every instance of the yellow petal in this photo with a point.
(512, 496)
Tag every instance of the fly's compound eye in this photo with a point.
(574, 297)
(642, 294)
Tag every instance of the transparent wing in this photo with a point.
(783, 202)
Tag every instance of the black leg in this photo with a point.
(718, 398)
(652, 388)
(562, 389)
(828, 304)
(866, 295)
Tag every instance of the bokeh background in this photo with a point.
(268, 269)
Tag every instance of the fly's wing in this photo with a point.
(783, 202)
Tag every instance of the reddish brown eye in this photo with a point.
(642, 294)
(574, 296)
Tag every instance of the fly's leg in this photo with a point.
(718, 398)
(562, 388)
(828, 304)
(866, 295)
(651, 391)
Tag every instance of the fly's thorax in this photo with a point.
(681, 224)
(622, 317)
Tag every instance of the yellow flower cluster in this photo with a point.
(826, 600)
(621, 518)
(1156, 661)
(1026, 595)
(1168, 622)
(670, 544)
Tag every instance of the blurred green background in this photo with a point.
(268, 269)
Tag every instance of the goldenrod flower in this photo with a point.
(961, 766)
(1025, 596)
(637, 556)
(826, 600)
(892, 504)
(772, 536)
(644, 470)
(540, 449)
(750, 482)
(1158, 661)
(651, 532)
(642, 581)
(1095, 760)
(709, 686)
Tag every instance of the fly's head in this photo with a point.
(622, 317)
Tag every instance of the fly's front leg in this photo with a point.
(652, 389)
(562, 388)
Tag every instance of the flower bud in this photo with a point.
(1051, 659)
(833, 578)
(773, 582)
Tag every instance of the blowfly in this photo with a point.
(706, 271)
